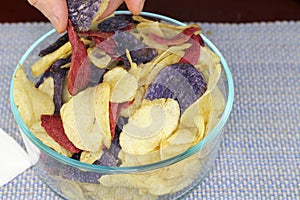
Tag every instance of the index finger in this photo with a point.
(55, 10)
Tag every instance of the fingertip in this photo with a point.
(56, 11)
(135, 6)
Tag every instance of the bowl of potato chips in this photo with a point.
(133, 108)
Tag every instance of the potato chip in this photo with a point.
(153, 122)
(138, 98)
(78, 116)
(48, 87)
(171, 31)
(180, 141)
(207, 59)
(90, 157)
(84, 13)
(136, 160)
(66, 96)
(41, 65)
(39, 132)
(171, 56)
(98, 57)
(123, 85)
(30, 101)
(157, 182)
(101, 105)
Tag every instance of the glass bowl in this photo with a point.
(168, 179)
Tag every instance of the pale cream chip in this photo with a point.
(78, 116)
(30, 101)
(98, 57)
(171, 31)
(123, 85)
(153, 122)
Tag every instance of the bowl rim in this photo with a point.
(131, 169)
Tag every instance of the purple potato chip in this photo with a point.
(55, 45)
(82, 13)
(181, 82)
(115, 23)
(96, 75)
(139, 52)
(125, 40)
(58, 74)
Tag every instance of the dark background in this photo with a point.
(184, 10)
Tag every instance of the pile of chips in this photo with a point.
(130, 91)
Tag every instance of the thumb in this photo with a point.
(135, 6)
(55, 10)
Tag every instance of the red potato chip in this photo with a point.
(192, 54)
(39, 131)
(79, 74)
(54, 127)
(98, 34)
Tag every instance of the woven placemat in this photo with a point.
(259, 156)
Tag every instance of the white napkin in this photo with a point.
(14, 160)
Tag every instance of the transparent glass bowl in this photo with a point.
(167, 179)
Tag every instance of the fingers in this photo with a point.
(135, 6)
(55, 10)
(113, 5)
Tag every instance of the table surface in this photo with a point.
(259, 156)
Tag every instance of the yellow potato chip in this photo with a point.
(39, 132)
(47, 86)
(138, 98)
(66, 96)
(90, 157)
(170, 56)
(123, 85)
(184, 137)
(180, 141)
(102, 111)
(30, 101)
(171, 59)
(136, 160)
(153, 122)
(41, 65)
(78, 117)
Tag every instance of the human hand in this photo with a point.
(57, 12)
